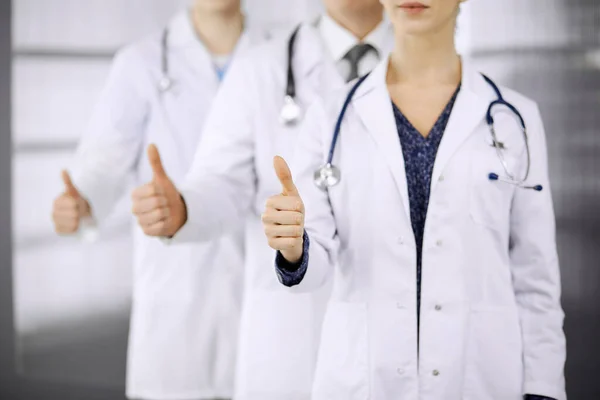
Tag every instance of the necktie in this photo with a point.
(353, 57)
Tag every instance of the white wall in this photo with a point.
(506, 24)
(87, 24)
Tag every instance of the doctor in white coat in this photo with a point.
(462, 304)
(186, 298)
(232, 176)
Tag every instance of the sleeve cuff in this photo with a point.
(550, 392)
(88, 230)
(188, 233)
(292, 274)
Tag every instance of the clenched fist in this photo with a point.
(283, 219)
(69, 208)
(157, 205)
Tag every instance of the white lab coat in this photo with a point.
(491, 319)
(228, 184)
(186, 298)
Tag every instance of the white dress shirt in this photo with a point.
(338, 41)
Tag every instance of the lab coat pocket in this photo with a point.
(342, 370)
(489, 200)
(494, 368)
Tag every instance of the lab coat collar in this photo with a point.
(182, 36)
(310, 51)
(181, 30)
(374, 107)
(468, 113)
(184, 40)
(471, 80)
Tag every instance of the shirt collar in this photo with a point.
(338, 40)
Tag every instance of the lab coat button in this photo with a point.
(399, 306)
(400, 240)
(438, 243)
(400, 371)
(441, 179)
(438, 307)
(436, 372)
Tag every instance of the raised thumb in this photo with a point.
(70, 189)
(155, 162)
(285, 177)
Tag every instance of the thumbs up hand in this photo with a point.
(157, 205)
(69, 208)
(283, 219)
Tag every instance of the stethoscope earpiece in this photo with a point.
(495, 177)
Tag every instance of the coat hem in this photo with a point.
(544, 389)
(200, 395)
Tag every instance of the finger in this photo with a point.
(285, 177)
(285, 203)
(285, 243)
(70, 189)
(155, 162)
(66, 215)
(154, 216)
(65, 203)
(66, 227)
(147, 204)
(156, 229)
(284, 231)
(146, 191)
(272, 216)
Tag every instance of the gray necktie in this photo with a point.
(354, 55)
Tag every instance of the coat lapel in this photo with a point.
(314, 67)
(373, 105)
(468, 112)
(184, 41)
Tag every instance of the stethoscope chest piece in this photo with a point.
(290, 112)
(164, 84)
(328, 175)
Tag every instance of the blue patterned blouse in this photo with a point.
(419, 157)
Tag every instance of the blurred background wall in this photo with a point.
(71, 301)
(550, 50)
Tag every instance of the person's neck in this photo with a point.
(425, 60)
(219, 31)
(360, 24)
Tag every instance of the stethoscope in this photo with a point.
(290, 111)
(499, 146)
(165, 83)
(328, 175)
